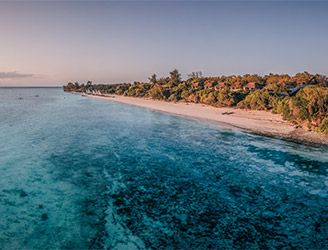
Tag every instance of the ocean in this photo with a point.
(84, 173)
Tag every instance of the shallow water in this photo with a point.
(83, 173)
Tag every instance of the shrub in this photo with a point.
(282, 107)
(259, 100)
(323, 127)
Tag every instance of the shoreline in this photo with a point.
(254, 121)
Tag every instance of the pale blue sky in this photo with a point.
(56, 42)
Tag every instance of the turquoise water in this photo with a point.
(83, 173)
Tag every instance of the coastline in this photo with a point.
(253, 121)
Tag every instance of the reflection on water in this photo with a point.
(80, 173)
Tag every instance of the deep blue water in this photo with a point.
(83, 173)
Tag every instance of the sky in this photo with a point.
(52, 43)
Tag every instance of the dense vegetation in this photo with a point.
(301, 99)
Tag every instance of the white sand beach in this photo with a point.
(258, 122)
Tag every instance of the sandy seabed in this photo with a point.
(255, 121)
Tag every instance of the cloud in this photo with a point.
(14, 75)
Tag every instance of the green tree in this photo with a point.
(175, 77)
(153, 79)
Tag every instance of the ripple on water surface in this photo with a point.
(80, 173)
